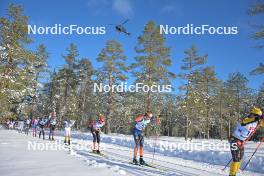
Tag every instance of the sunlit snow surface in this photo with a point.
(117, 153)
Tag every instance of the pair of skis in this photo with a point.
(143, 165)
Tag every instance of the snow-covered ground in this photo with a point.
(17, 160)
(118, 151)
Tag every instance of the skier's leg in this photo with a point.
(69, 136)
(98, 141)
(236, 155)
(43, 132)
(65, 136)
(94, 139)
(52, 134)
(136, 139)
(49, 133)
(241, 152)
(141, 143)
(35, 131)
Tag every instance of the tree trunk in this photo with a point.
(229, 128)
(186, 128)
(221, 118)
(110, 105)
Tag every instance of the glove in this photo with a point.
(262, 140)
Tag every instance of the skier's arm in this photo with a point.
(248, 120)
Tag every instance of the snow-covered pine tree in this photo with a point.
(191, 64)
(111, 73)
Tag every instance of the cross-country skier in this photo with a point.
(34, 127)
(67, 131)
(20, 126)
(52, 125)
(41, 124)
(244, 130)
(8, 124)
(141, 122)
(12, 124)
(27, 125)
(96, 130)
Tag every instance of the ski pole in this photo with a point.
(154, 150)
(251, 156)
(227, 164)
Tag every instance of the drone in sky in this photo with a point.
(120, 27)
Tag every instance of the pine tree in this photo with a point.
(258, 9)
(237, 89)
(258, 70)
(151, 66)
(41, 69)
(16, 62)
(190, 64)
(112, 73)
(87, 101)
(205, 86)
(68, 81)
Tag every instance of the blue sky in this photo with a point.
(227, 53)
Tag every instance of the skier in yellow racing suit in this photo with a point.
(243, 131)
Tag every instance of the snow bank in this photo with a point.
(217, 157)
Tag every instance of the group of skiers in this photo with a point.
(243, 132)
(37, 124)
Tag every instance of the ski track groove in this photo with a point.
(171, 163)
(165, 167)
(135, 170)
(167, 170)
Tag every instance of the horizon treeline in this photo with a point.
(205, 106)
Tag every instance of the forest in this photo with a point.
(203, 106)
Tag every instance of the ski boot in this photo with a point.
(98, 152)
(141, 161)
(135, 161)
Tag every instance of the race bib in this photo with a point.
(243, 132)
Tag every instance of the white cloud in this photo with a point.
(123, 7)
(171, 8)
(168, 9)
